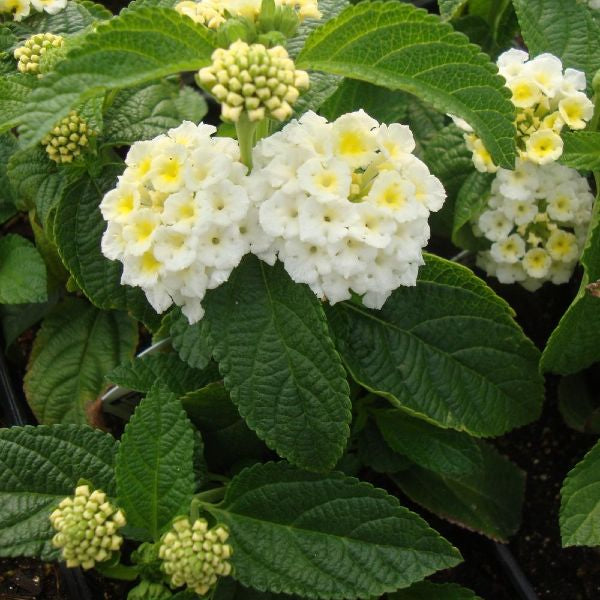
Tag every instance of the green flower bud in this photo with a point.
(86, 526)
(195, 555)
(67, 138)
(31, 52)
(263, 82)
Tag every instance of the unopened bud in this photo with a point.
(30, 53)
(67, 139)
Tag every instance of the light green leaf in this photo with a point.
(272, 344)
(487, 500)
(581, 150)
(78, 230)
(450, 8)
(143, 113)
(441, 450)
(75, 348)
(190, 341)
(155, 474)
(447, 351)
(425, 590)
(165, 368)
(22, 271)
(395, 45)
(14, 93)
(573, 345)
(324, 536)
(580, 502)
(471, 199)
(134, 48)
(39, 466)
(563, 28)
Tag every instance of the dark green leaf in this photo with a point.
(425, 590)
(190, 341)
(22, 271)
(376, 454)
(579, 403)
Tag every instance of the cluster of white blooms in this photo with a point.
(346, 204)
(21, 8)
(536, 220)
(212, 13)
(179, 219)
(87, 526)
(262, 81)
(194, 555)
(32, 50)
(67, 138)
(547, 100)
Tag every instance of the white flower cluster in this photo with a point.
(21, 8)
(87, 526)
(547, 100)
(195, 555)
(212, 13)
(346, 204)
(179, 219)
(536, 220)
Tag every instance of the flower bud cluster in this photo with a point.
(86, 526)
(346, 204)
(194, 555)
(22, 8)
(547, 100)
(66, 141)
(263, 82)
(179, 218)
(213, 13)
(30, 53)
(536, 220)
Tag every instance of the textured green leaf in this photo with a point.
(579, 403)
(144, 113)
(71, 19)
(8, 146)
(376, 454)
(325, 536)
(190, 341)
(470, 201)
(441, 450)
(573, 345)
(227, 439)
(425, 590)
(75, 348)
(155, 475)
(22, 271)
(14, 93)
(398, 46)
(580, 502)
(563, 28)
(272, 344)
(17, 318)
(165, 368)
(450, 8)
(229, 589)
(78, 231)
(487, 500)
(131, 49)
(39, 466)
(424, 122)
(446, 350)
(581, 150)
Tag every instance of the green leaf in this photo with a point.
(580, 502)
(450, 8)
(14, 93)
(143, 372)
(563, 28)
(425, 590)
(322, 86)
(22, 271)
(581, 150)
(155, 474)
(74, 349)
(78, 230)
(272, 344)
(471, 199)
(227, 439)
(229, 589)
(424, 121)
(441, 450)
(39, 466)
(447, 351)
(134, 48)
(190, 341)
(573, 345)
(579, 403)
(400, 47)
(8, 146)
(376, 454)
(143, 113)
(324, 536)
(487, 500)
(71, 19)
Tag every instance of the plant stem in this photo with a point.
(211, 496)
(118, 571)
(245, 130)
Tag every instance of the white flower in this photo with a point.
(562, 202)
(139, 231)
(395, 141)
(546, 71)
(19, 8)
(519, 183)
(325, 181)
(353, 139)
(49, 6)
(510, 63)
(396, 196)
(576, 109)
(509, 250)
(536, 263)
(324, 223)
(494, 225)
(520, 211)
(544, 146)
(562, 246)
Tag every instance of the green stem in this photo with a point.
(211, 496)
(118, 571)
(245, 130)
